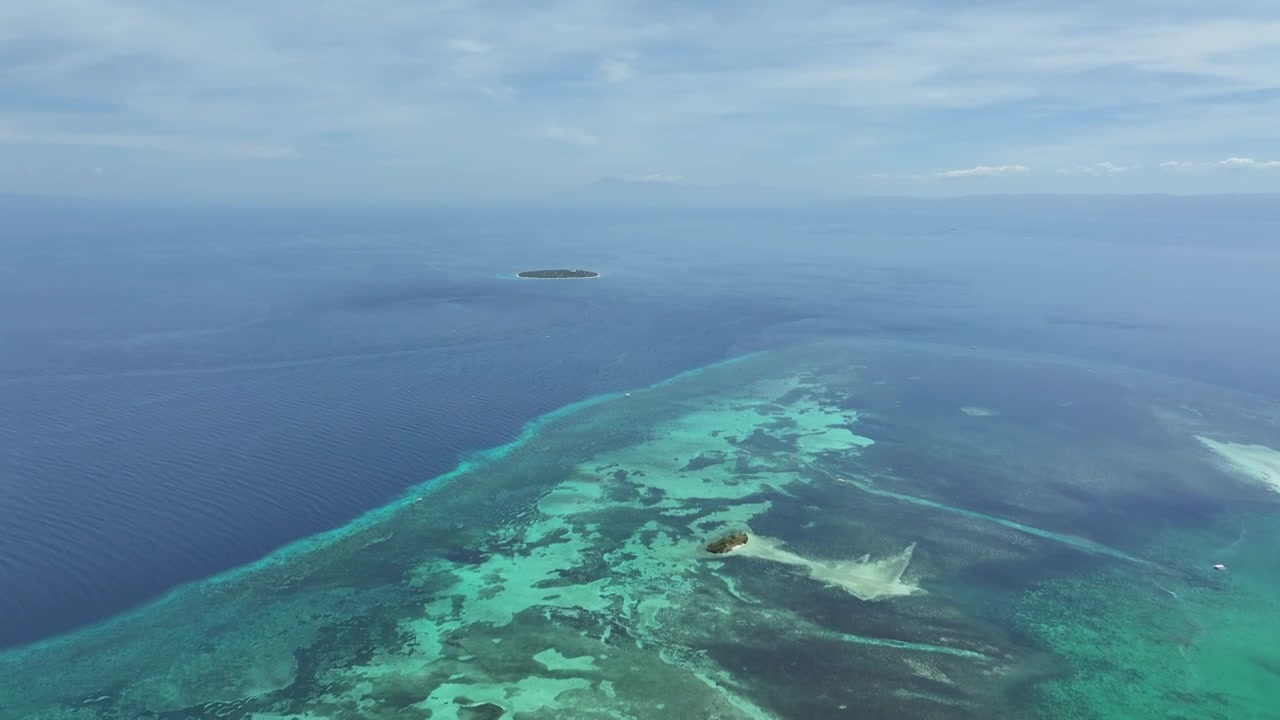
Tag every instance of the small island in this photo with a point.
(727, 543)
(557, 274)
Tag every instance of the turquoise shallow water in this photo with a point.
(909, 556)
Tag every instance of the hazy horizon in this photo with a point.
(608, 193)
(440, 102)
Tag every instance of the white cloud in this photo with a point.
(815, 88)
(985, 171)
(470, 46)
(1231, 163)
(1097, 169)
(180, 144)
(615, 70)
(570, 135)
(261, 150)
(1239, 163)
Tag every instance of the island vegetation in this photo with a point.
(727, 543)
(558, 274)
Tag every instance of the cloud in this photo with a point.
(1239, 163)
(178, 144)
(1231, 163)
(469, 46)
(1097, 169)
(614, 70)
(815, 88)
(979, 171)
(262, 151)
(984, 171)
(570, 135)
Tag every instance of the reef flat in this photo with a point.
(902, 560)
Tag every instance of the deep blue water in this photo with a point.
(183, 391)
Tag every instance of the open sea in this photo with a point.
(954, 429)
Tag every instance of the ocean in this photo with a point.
(185, 392)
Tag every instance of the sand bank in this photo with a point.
(1258, 462)
(864, 578)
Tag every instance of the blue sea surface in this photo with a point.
(181, 392)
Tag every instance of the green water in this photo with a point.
(934, 533)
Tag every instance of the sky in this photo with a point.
(450, 100)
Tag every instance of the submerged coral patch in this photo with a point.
(737, 543)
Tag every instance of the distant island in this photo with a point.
(557, 274)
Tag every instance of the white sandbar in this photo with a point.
(864, 578)
(1258, 462)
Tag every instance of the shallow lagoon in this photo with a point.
(1049, 556)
